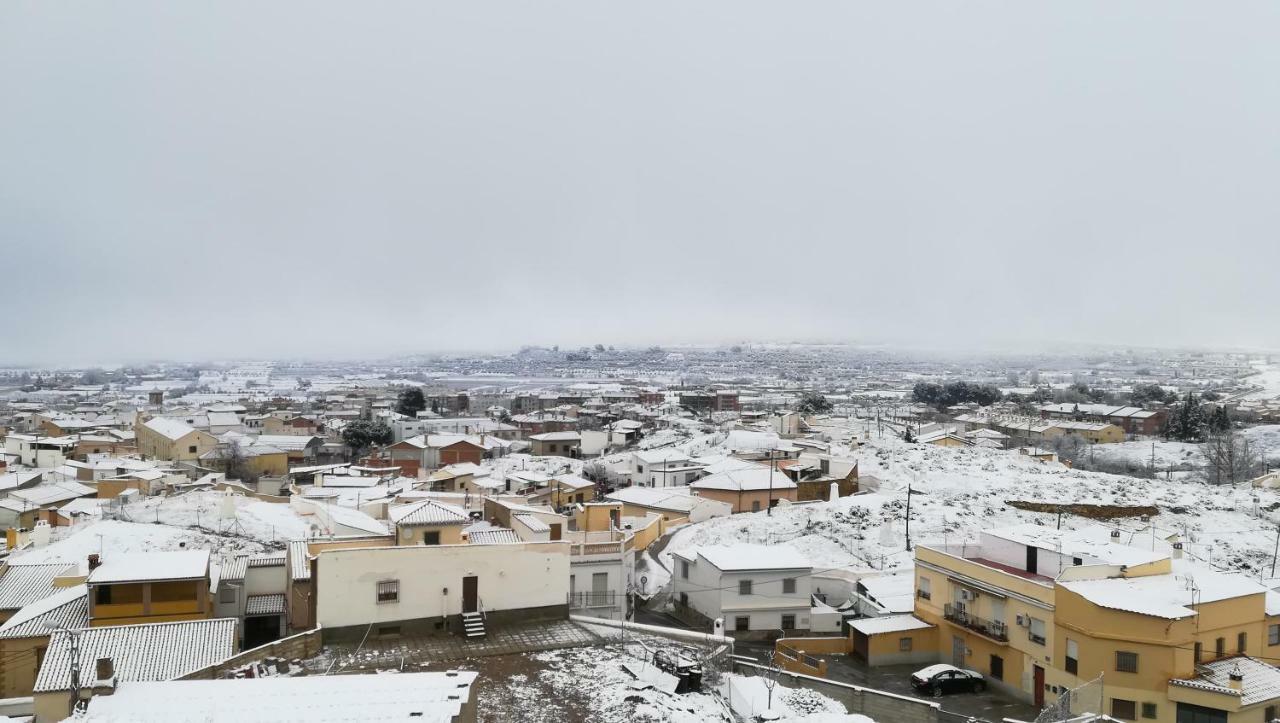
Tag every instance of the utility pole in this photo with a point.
(1277, 552)
(769, 512)
(908, 516)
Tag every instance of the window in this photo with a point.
(788, 585)
(389, 591)
(1273, 635)
(1199, 652)
(1188, 713)
(904, 645)
(1077, 561)
(1126, 662)
(1219, 647)
(744, 587)
(1124, 709)
(742, 623)
(103, 595)
(1072, 665)
(924, 589)
(1149, 710)
(788, 622)
(431, 538)
(191, 449)
(1242, 642)
(684, 569)
(227, 594)
(1268, 716)
(997, 667)
(1036, 631)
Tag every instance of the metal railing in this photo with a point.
(993, 629)
(592, 599)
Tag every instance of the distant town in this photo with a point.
(796, 531)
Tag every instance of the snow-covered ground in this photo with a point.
(959, 492)
(1268, 378)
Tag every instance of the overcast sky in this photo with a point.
(248, 178)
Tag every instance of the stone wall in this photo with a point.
(295, 647)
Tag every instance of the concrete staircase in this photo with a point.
(473, 625)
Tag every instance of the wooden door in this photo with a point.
(1037, 679)
(470, 594)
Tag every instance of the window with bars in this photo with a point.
(1126, 662)
(744, 587)
(389, 591)
(788, 585)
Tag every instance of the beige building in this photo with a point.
(172, 440)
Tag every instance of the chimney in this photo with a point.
(94, 562)
(1235, 680)
(1115, 534)
(1177, 551)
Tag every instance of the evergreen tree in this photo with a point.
(410, 402)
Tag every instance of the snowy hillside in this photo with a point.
(962, 491)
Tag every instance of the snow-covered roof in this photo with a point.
(51, 494)
(674, 499)
(1167, 596)
(1261, 681)
(733, 558)
(745, 480)
(234, 568)
(657, 456)
(299, 560)
(68, 608)
(888, 624)
(427, 697)
(556, 437)
(573, 481)
(428, 512)
(143, 566)
(1093, 542)
(145, 652)
(168, 427)
(22, 585)
(533, 523)
(493, 536)
(272, 604)
(288, 442)
(355, 519)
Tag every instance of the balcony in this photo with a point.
(992, 629)
(603, 599)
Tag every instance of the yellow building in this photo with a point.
(429, 523)
(148, 587)
(172, 440)
(1040, 611)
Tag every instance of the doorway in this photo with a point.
(957, 651)
(1037, 680)
(470, 594)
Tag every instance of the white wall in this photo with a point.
(715, 594)
(511, 577)
(265, 580)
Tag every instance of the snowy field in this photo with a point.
(1268, 378)
(962, 491)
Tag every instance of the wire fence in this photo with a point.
(1073, 703)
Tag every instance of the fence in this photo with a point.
(1074, 703)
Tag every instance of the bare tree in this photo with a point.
(1229, 459)
(236, 463)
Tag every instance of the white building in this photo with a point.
(760, 591)
(395, 588)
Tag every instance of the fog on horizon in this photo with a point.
(242, 179)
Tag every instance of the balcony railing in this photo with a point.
(593, 599)
(990, 628)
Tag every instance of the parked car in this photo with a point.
(937, 680)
